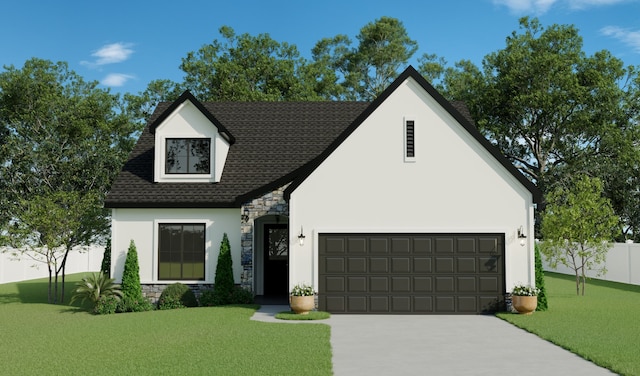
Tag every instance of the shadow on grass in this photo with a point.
(597, 282)
(37, 292)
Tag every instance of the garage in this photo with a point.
(411, 273)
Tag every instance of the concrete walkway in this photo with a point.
(440, 345)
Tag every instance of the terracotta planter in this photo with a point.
(302, 304)
(525, 305)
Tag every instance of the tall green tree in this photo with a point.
(63, 140)
(577, 226)
(131, 288)
(248, 68)
(224, 284)
(543, 101)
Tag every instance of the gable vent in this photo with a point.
(410, 146)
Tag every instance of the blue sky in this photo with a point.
(126, 44)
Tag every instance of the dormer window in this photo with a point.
(188, 156)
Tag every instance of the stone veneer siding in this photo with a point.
(272, 203)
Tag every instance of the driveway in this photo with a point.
(440, 345)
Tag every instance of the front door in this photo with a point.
(276, 259)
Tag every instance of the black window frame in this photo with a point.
(410, 139)
(168, 166)
(177, 253)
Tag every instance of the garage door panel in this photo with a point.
(400, 284)
(422, 284)
(379, 284)
(379, 304)
(357, 245)
(444, 265)
(401, 265)
(357, 304)
(466, 265)
(334, 265)
(357, 284)
(411, 273)
(356, 265)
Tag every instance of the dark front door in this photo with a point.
(276, 259)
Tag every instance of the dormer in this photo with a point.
(191, 145)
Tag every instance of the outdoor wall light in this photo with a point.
(245, 215)
(522, 236)
(301, 237)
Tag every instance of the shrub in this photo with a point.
(128, 304)
(177, 295)
(105, 267)
(543, 305)
(94, 287)
(106, 305)
(211, 298)
(224, 283)
(131, 275)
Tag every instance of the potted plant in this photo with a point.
(525, 298)
(302, 299)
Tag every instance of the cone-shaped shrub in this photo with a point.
(542, 296)
(223, 283)
(131, 275)
(105, 267)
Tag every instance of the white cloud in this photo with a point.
(110, 54)
(116, 79)
(526, 6)
(542, 6)
(629, 37)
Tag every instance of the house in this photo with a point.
(395, 206)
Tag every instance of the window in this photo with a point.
(409, 140)
(188, 156)
(181, 251)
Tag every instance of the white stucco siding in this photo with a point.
(141, 226)
(454, 185)
(188, 122)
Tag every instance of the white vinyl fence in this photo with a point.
(12, 270)
(622, 264)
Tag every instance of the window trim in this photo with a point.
(187, 173)
(409, 140)
(156, 255)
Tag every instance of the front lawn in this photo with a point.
(45, 339)
(601, 326)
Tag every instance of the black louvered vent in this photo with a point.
(410, 127)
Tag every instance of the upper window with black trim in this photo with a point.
(188, 156)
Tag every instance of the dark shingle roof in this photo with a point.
(272, 141)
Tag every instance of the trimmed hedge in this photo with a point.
(177, 295)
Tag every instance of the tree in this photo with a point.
(543, 305)
(577, 226)
(64, 140)
(131, 289)
(543, 101)
(247, 68)
(366, 70)
(224, 284)
(105, 266)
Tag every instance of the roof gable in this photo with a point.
(463, 120)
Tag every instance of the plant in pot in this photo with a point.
(525, 298)
(302, 299)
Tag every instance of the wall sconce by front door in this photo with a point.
(301, 237)
(522, 236)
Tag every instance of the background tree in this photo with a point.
(543, 101)
(245, 67)
(64, 140)
(105, 265)
(578, 226)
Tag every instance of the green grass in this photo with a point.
(45, 339)
(313, 315)
(601, 326)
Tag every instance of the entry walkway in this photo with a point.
(440, 345)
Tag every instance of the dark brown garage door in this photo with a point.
(411, 273)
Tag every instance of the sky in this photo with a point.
(124, 45)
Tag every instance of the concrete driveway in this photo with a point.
(440, 345)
